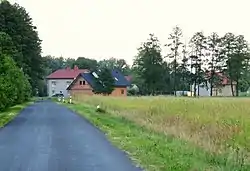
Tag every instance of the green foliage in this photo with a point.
(104, 84)
(197, 64)
(113, 63)
(175, 44)
(86, 63)
(148, 64)
(198, 44)
(235, 54)
(9, 114)
(16, 22)
(15, 87)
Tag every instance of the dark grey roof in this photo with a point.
(120, 80)
(89, 78)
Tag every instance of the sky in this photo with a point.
(101, 29)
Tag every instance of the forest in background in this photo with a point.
(23, 69)
(195, 63)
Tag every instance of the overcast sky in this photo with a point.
(115, 28)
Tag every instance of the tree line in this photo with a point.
(20, 55)
(196, 63)
(202, 61)
(23, 69)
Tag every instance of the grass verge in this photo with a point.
(156, 151)
(11, 113)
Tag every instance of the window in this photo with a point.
(82, 82)
(122, 91)
(53, 83)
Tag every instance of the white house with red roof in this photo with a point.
(222, 89)
(58, 81)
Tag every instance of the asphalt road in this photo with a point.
(48, 137)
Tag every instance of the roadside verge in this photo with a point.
(12, 112)
(154, 151)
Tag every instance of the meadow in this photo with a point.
(210, 126)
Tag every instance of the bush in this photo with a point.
(15, 88)
(14, 85)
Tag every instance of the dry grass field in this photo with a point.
(216, 125)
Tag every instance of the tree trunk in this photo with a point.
(237, 88)
(175, 76)
(195, 88)
(232, 88)
(212, 79)
(183, 79)
(211, 90)
(198, 92)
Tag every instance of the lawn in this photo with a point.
(176, 133)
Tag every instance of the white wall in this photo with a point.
(204, 91)
(61, 85)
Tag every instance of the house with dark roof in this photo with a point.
(58, 81)
(84, 84)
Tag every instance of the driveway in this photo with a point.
(48, 137)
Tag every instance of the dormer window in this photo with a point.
(82, 83)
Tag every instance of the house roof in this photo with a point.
(120, 80)
(66, 73)
(89, 78)
(224, 79)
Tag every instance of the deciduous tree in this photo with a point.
(16, 22)
(14, 85)
(104, 82)
(235, 54)
(148, 64)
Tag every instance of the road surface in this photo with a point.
(48, 137)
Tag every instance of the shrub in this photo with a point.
(15, 87)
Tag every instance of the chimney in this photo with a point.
(75, 68)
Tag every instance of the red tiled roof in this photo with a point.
(224, 78)
(66, 73)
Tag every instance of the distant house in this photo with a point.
(84, 84)
(222, 89)
(58, 81)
